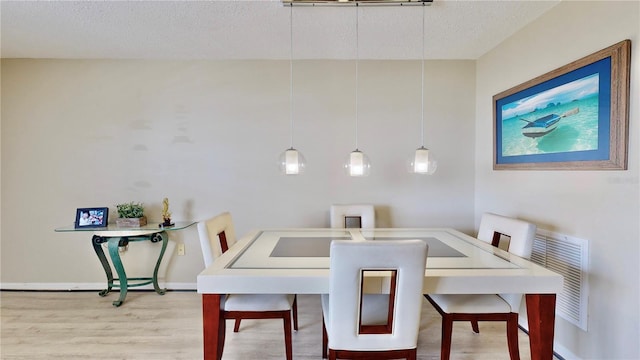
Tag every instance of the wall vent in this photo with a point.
(569, 257)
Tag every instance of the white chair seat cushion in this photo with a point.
(324, 298)
(258, 302)
(471, 303)
(374, 309)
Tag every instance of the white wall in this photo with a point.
(207, 135)
(601, 206)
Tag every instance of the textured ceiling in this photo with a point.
(257, 29)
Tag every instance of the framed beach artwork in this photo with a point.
(572, 118)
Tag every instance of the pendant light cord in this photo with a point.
(422, 98)
(291, 75)
(357, 61)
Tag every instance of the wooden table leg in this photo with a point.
(541, 311)
(213, 326)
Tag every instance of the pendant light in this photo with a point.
(358, 162)
(422, 162)
(292, 162)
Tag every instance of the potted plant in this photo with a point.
(130, 215)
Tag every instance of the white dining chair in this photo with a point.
(217, 235)
(488, 307)
(373, 326)
(353, 216)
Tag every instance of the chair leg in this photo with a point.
(294, 308)
(325, 340)
(413, 354)
(474, 326)
(236, 326)
(512, 336)
(286, 319)
(447, 329)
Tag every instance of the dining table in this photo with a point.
(296, 261)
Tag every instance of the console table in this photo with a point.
(116, 237)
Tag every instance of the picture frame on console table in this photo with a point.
(572, 118)
(97, 217)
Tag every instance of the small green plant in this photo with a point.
(130, 210)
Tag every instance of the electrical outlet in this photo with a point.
(181, 249)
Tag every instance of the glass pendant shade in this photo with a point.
(358, 164)
(422, 162)
(292, 162)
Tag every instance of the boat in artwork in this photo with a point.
(541, 126)
(545, 124)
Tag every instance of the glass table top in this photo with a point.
(309, 248)
(150, 227)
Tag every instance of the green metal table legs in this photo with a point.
(154, 239)
(97, 247)
(113, 245)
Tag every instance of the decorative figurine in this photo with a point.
(166, 215)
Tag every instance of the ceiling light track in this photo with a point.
(357, 2)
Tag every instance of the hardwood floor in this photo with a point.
(82, 325)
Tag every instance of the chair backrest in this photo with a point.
(216, 236)
(349, 259)
(521, 233)
(343, 216)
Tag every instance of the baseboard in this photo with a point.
(87, 286)
(559, 351)
(564, 353)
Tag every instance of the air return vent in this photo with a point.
(569, 257)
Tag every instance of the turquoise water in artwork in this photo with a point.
(575, 132)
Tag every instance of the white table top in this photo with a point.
(296, 261)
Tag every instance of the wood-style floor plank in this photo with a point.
(82, 325)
